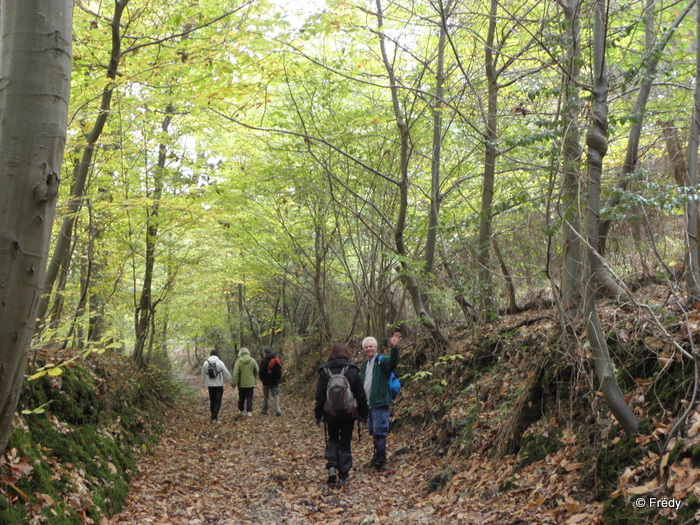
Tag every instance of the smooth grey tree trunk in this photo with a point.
(572, 261)
(60, 259)
(597, 144)
(35, 65)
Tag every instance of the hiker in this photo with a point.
(244, 373)
(339, 426)
(375, 379)
(215, 382)
(270, 377)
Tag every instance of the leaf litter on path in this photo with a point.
(264, 470)
(271, 470)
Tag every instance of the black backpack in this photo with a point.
(339, 398)
(213, 371)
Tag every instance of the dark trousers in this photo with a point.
(245, 399)
(338, 453)
(216, 394)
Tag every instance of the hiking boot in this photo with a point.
(332, 475)
(250, 414)
(342, 482)
(376, 460)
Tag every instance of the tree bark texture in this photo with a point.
(61, 254)
(572, 263)
(692, 274)
(597, 144)
(483, 255)
(35, 65)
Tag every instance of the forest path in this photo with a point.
(270, 470)
(266, 470)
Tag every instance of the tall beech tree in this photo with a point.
(35, 67)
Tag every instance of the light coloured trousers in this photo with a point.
(275, 391)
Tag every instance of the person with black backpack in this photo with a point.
(376, 374)
(340, 400)
(271, 377)
(215, 373)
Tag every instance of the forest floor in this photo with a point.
(270, 470)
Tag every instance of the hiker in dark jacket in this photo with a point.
(270, 377)
(375, 379)
(338, 452)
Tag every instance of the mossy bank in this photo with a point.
(72, 450)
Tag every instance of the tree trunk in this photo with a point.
(483, 254)
(572, 263)
(61, 254)
(408, 276)
(597, 144)
(35, 64)
(692, 274)
(653, 54)
(146, 306)
(438, 103)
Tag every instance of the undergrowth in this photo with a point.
(73, 447)
(515, 391)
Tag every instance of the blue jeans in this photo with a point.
(378, 421)
(378, 427)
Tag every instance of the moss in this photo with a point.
(84, 442)
(536, 447)
(619, 512)
(612, 462)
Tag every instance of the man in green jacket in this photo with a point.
(375, 377)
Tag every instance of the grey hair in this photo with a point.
(367, 339)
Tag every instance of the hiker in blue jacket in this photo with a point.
(215, 384)
(339, 426)
(375, 378)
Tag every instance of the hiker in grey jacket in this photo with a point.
(215, 384)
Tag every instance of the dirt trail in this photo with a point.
(266, 470)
